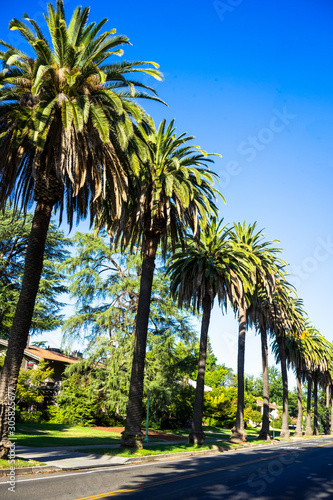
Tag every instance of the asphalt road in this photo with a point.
(298, 470)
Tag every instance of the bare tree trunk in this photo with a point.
(327, 426)
(197, 436)
(285, 433)
(264, 433)
(238, 432)
(315, 405)
(299, 431)
(132, 436)
(308, 429)
(23, 315)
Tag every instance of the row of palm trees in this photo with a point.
(237, 265)
(73, 138)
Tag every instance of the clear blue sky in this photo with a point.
(252, 80)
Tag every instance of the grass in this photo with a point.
(53, 435)
(49, 435)
(158, 449)
(4, 464)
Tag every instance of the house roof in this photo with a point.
(194, 384)
(272, 406)
(38, 353)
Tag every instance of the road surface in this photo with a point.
(297, 470)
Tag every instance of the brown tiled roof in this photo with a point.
(272, 406)
(52, 355)
(38, 352)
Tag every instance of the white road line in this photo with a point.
(113, 469)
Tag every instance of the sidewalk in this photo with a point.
(66, 458)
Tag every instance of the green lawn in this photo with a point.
(19, 463)
(43, 435)
(158, 449)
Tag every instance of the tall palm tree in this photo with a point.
(321, 376)
(263, 259)
(298, 351)
(261, 312)
(206, 269)
(285, 317)
(172, 192)
(66, 132)
(316, 363)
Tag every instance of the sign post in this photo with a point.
(274, 414)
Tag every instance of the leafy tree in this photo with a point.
(30, 394)
(105, 287)
(220, 407)
(220, 376)
(255, 385)
(14, 233)
(66, 135)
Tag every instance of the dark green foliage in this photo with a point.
(84, 399)
(105, 285)
(30, 392)
(14, 233)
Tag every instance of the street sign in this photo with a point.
(274, 414)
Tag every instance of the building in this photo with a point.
(260, 406)
(55, 358)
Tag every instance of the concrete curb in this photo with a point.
(30, 470)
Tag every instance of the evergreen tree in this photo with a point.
(14, 233)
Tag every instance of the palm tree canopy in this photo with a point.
(213, 266)
(67, 115)
(266, 267)
(172, 191)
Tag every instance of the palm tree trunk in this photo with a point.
(23, 315)
(299, 432)
(265, 385)
(315, 405)
(238, 432)
(308, 429)
(132, 436)
(327, 426)
(197, 436)
(285, 433)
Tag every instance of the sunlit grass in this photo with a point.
(158, 449)
(43, 435)
(5, 464)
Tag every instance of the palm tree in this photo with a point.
(66, 132)
(263, 260)
(213, 267)
(318, 353)
(261, 311)
(298, 351)
(284, 316)
(321, 376)
(173, 191)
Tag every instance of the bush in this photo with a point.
(29, 417)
